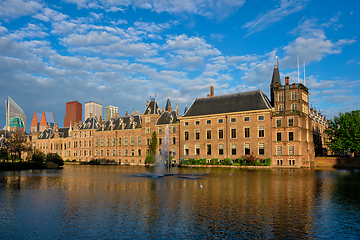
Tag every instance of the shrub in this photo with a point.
(150, 159)
(202, 161)
(214, 161)
(227, 161)
(241, 161)
(38, 156)
(55, 158)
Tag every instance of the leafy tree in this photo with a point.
(16, 145)
(344, 132)
(150, 159)
(3, 154)
(55, 158)
(38, 156)
(153, 144)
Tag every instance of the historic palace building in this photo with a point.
(283, 128)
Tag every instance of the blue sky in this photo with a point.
(121, 52)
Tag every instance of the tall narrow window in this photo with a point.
(247, 148)
(278, 136)
(221, 133)
(208, 149)
(233, 133)
(261, 148)
(233, 149)
(113, 142)
(197, 134)
(139, 141)
(261, 131)
(107, 142)
(132, 141)
(278, 150)
(291, 150)
(281, 97)
(126, 141)
(186, 135)
(221, 149)
(174, 140)
(186, 150)
(281, 108)
(197, 149)
(278, 122)
(294, 107)
(291, 122)
(291, 136)
(247, 132)
(119, 141)
(293, 96)
(208, 134)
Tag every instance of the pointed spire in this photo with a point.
(43, 122)
(34, 124)
(168, 104)
(275, 77)
(186, 108)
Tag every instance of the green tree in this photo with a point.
(3, 154)
(153, 144)
(16, 145)
(38, 156)
(55, 158)
(343, 132)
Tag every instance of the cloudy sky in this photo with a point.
(121, 52)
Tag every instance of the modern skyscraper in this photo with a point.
(73, 113)
(93, 108)
(110, 112)
(15, 116)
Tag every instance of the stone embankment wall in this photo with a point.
(337, 162)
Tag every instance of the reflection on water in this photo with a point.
(109, 202)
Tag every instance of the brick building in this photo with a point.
(227, 126)
(73, 113)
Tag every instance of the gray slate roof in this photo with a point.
(90, 123)
(48, 133)
(168, 104)
(168, 118)
(238, 102)
(152, 108)
(276, 77)
(129, 122)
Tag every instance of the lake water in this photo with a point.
(113, 202)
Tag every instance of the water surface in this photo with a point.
(112, 202)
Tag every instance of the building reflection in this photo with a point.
(270, 204)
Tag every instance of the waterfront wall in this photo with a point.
(337, 162)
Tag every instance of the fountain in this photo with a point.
(164, 165)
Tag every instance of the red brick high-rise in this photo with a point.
(73, 113)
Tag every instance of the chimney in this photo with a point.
(211, 91)
(116, 115)
(132, 113)
(90, 114)
(177, 107)
(56, 127)
(125, 113)
(170, 108)
(311, 109)
(315, 112)
(137, 113)
(287, 80)
(147, 103)
(324, 118)
(163, 110)
(208, 95)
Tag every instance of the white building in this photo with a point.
(110, 112)
(93, 108)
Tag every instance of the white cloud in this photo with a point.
(219, 9)
(30, 31)
(17, 8)
(286, 8)
(49, 15)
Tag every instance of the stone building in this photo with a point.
(214, 127)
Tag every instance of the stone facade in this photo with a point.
(215, 127)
